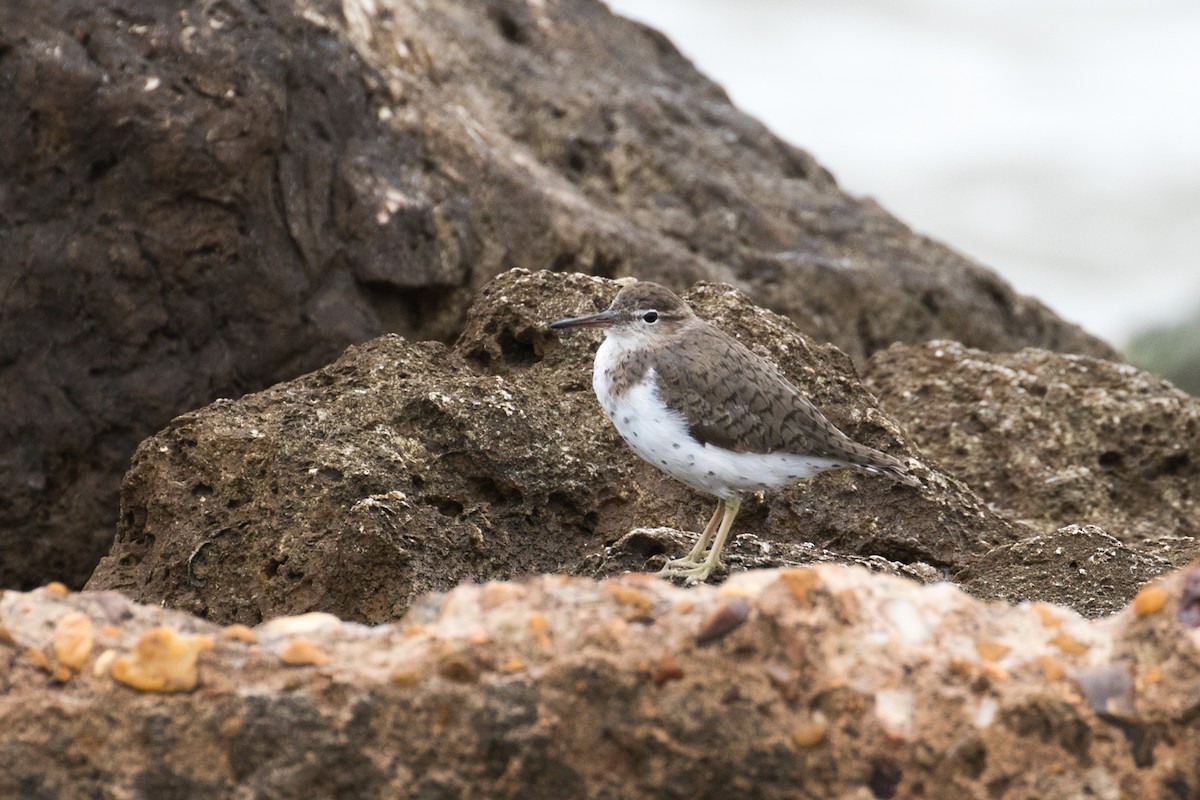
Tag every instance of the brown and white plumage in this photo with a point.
(695, 402)
(767, 415)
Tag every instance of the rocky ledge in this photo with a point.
(826, 681)
(406, 467)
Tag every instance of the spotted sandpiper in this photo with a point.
(700, 406)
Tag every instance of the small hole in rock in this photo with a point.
(446, 506)
(1175, 464)
(510, 29)
(330, 474)
(516, 351)
(885, 778)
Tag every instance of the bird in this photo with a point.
(695, 402)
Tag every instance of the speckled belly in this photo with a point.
(661, 437)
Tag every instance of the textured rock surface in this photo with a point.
(1054, 440)
(816, 682)
(1079, 566)
(406, 467)
(200, 199)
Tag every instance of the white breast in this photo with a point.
(661, 437)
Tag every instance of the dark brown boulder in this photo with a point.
(406, 467)
(199, 200)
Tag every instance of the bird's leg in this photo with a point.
(732, 504)
(698, 572)
(696, 556)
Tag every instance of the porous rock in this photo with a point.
(407, 467)
(200, 199)
(1078, 566)
(825, 681)
(1055, 440)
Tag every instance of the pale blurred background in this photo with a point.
(1056, 141)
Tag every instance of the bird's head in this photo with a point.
(641, 310)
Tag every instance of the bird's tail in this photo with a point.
(878, 463)
(898, 473)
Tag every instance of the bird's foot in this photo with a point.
(692, 572)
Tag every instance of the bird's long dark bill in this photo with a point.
(601, 320)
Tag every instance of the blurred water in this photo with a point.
(1056, 141)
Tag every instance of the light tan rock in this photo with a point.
(825, 681)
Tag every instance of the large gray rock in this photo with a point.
(198, 200)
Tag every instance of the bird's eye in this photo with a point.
(650, 316)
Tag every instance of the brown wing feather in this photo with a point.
(768, 414)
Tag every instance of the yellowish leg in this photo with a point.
(690, 567)
(694, 558)
(732, 504)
